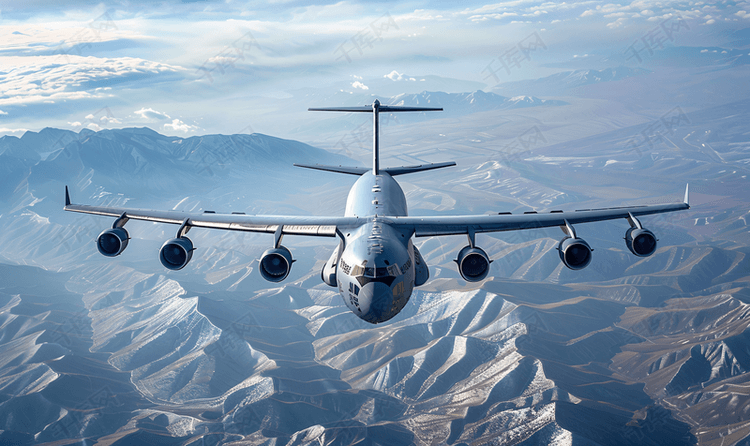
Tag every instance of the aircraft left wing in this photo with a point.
(290, 225)
(473, 224)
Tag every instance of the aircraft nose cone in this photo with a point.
(376, 300)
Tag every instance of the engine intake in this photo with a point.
(473, 264)
(176, 253)
(575, 253)
(112, 242)
(275, 264)
(640, 242)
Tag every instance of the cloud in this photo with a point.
(105, 119)
(6, 131)
(660, 18)
(617, 23)
(179, 126)
(3, 113)
(742, 14)
(167, 50)
(37, 79)
(152, 115)
(502, 15)
(396, 76)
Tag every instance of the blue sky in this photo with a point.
(187, 68)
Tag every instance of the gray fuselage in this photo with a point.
(376, 271)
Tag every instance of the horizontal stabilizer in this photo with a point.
(339, 169)
(381, 108)
(393, 171)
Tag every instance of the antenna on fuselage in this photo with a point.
(376, 109)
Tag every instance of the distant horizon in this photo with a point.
(219, 67)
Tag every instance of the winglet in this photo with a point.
(67, 196)
(685, 200)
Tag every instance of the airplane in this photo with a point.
(376, 265)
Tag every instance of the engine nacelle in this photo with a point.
(275, 264)
(473, 264)
(112, 242)
(176, 253)
(575, 253)
(640, 242)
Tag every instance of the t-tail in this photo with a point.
(376, 108)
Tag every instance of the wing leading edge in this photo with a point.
(469, 224)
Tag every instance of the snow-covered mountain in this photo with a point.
(561, 84)
(463, 103)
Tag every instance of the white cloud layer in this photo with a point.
(152, 115)
(179, 126)
(396, 76)
(36, 79)
(202, 62)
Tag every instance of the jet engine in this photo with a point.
(112, 242)
(575, 253)
(641, 242)
(473, 263)
(275, 264)
(176, 253)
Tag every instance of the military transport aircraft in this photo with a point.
(375, 265)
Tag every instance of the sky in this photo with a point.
(194, 68)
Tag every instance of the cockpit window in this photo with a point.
(369, 271)
(373, 272)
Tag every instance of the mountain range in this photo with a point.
(629, 351)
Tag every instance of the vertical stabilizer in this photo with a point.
(376, 137)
